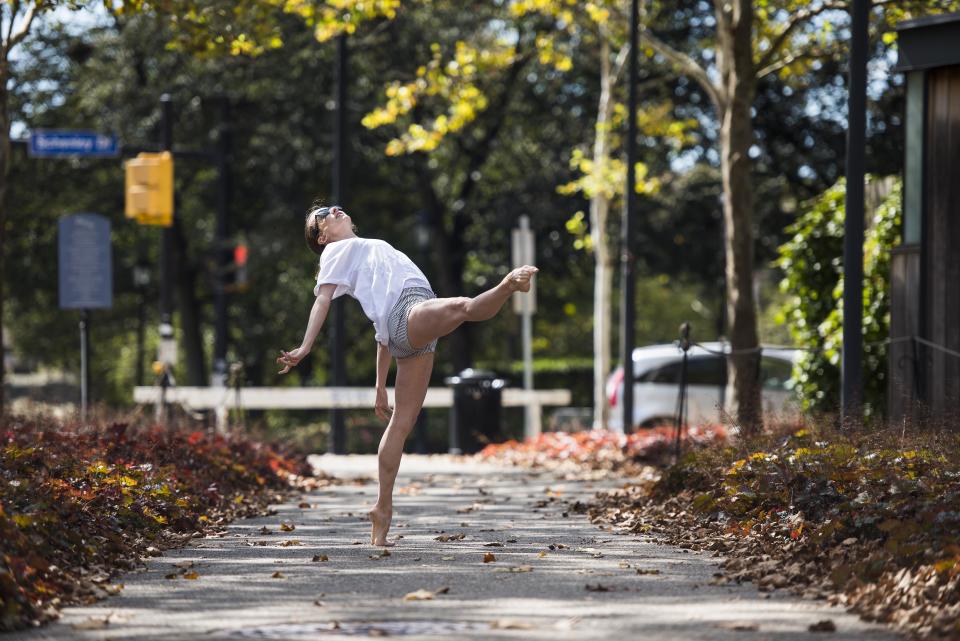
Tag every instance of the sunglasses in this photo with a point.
(323, 212)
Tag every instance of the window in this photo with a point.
(701, 370)
(775, 373)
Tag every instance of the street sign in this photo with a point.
(85, 263)
(522, 253)
(71, 144)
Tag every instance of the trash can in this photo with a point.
(475, 415)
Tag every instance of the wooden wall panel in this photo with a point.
(941, 313)
(904, 323)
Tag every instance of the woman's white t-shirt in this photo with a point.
(371, 271)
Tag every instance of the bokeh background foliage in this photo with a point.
(812, 263)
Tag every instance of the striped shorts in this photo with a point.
(397, 323)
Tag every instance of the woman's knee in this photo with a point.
(402, 425)
(464, 308)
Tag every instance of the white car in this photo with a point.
(656, 371)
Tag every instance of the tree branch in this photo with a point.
(687, 65)
(619, 62)
(784, 62)
(13, 39)
(766, 60)
(792, 25)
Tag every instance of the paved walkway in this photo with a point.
(555, 576)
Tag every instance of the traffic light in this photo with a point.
(240, 262)
(235, 277)
(149, 188)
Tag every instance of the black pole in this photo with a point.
(166, 248)
(84, 363)
(220, 242)
(627, 311)
(141, 331)
(338, 335)
(851, 369)
(681, 416)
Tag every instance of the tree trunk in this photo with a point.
(4, 173)
(735, 59)
(603, 275)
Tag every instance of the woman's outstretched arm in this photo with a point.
(382, 405)
(318, 314)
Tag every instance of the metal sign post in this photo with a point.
(85, 280)
(525, 304)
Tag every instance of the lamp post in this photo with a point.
(627, 259)
(851, 369)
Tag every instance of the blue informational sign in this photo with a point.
(70, 144)
(85, 262)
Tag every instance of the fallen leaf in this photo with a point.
(597, 588)
(826, 625)
(320, 557)
(287, 527)
(93, 623)
(542, 554)
(510, 624)
(446, 558)
(265, 530)
(304, 505)
(277, 575)
(290, 543)
(495, 544)
(172, 575)
(744, 626)
(489, 557)
(319, 603)
(443, 538)
(647, 571)
(419, 595)
(193, 576)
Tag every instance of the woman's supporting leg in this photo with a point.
(413, 377)
(438, 317)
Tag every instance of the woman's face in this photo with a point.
(335, 225)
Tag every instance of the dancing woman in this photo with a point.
(407, 318)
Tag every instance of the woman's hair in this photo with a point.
(311, 229)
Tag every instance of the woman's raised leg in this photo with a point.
(413, 377)
(438, 317)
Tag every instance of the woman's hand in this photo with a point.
(382, 405)
(290, 359)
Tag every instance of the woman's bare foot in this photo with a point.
(380, 524)
(519, 279)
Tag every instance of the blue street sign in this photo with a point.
(86, 269)
(71, 144)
